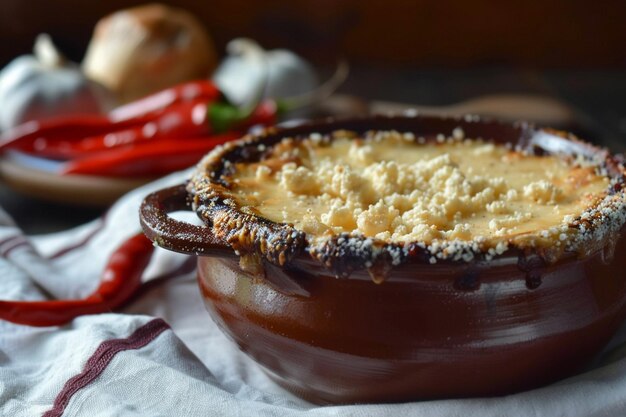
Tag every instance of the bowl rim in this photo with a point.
(249, 234)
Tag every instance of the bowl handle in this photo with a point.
(176, 235)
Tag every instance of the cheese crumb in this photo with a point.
(543, 192)
(454, 196)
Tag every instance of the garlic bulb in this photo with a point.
(141, 50)
(35, 87)
(248, 68)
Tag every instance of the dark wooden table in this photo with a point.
(598, 96)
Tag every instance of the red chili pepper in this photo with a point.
(39, 136)
(224, 116)
(165, 155)
(181, 120)
(266, 114)
(178, 135)
(121, 278)
(193, 90)
(33, 135)
(148, 159)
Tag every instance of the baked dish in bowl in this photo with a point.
(401, 258)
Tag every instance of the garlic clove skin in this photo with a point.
(289, 75)
(46, 85)
(36, 95)
(248, 68)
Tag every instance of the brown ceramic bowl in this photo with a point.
(450, 329)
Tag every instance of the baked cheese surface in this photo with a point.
(398, 188)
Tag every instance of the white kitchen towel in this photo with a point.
(163, 356)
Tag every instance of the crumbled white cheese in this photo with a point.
(452, 195)
(543, 191)
(263, 172)
(298, 179)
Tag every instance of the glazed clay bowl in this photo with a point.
(443, 330)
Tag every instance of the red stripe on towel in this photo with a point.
(86, 239)
(8, 245)
(101, 358)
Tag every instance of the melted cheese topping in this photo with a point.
(397, 188)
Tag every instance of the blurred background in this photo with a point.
(423, 52)
(427, 52)
(391, 33)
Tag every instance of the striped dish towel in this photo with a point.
(163, 356)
